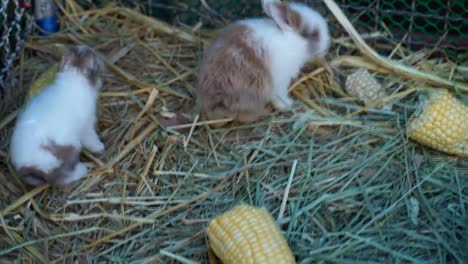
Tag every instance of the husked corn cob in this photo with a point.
(43, 80)
(363, 86)
(441, 122)
(248, 235)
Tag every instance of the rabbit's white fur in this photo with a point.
(286, 49)
(284, 65)
(63, 112)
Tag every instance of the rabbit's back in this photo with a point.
(234, 77)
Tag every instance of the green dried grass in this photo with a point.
(341, 179)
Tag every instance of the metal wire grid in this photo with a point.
(415, 23)
(15, 24)
(442, 23)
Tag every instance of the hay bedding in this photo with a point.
(360, 190)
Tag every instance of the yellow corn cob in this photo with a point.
(363, 86)
(43, 80)
(441, 122)
(248, 235)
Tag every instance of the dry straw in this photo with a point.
(344, 180)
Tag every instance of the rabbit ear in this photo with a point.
(279, 12)
(80, 57)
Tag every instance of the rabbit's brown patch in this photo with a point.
(33, 175)
(69, 155)
(295, 20)
(234, 79)
(84, 59)
(61, 152)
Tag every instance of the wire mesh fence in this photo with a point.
(441, 23)
(417, 24)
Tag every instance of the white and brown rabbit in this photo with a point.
(253, 61)
(59, 121)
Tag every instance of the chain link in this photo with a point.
(16, 23)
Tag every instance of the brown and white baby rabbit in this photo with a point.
(253, 61)
(59, 121)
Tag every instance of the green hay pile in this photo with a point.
(360, 190)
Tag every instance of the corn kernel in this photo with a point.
(248, 235)
(363, 86)
(441, 122)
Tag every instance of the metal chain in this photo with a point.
(4, 42)
(13, 34)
